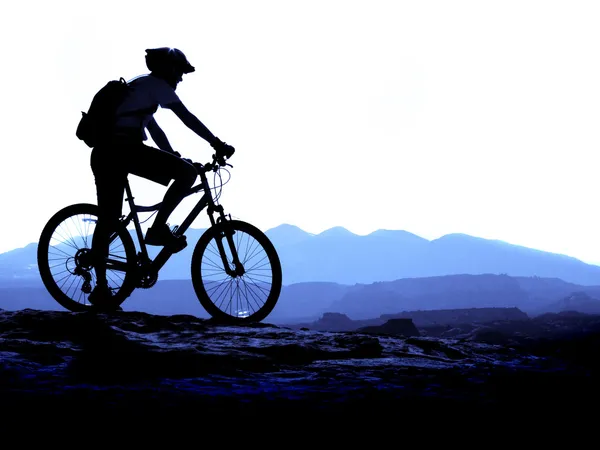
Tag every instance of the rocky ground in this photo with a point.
(61, 366)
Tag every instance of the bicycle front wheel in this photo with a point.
(242, 294)
(65, 262)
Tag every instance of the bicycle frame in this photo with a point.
(154, 266)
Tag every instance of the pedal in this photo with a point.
(176, 248)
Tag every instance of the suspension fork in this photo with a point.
(228, 234)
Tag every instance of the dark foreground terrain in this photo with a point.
(72, 367)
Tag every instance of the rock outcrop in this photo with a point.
(128, 364)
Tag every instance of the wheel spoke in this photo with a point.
(65, 261)
(246, 296)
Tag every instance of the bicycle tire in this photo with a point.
(200, 273)
(45, 265)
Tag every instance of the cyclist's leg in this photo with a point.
(162, 167)
(110, 187)
(184, 175)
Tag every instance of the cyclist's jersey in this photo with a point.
(148, 93)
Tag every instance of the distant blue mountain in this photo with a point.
(306, 302)
(337, 255)
(19, 265)
(340, 256)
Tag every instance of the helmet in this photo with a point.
(166, 58)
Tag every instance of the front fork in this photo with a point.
(226, 232)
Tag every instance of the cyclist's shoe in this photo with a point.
(101, 299)
(161, 235)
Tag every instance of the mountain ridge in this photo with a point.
(340, 256)
(307, 301)
(338, 230)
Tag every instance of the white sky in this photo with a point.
(434, 117)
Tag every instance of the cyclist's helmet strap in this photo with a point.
(165, 59)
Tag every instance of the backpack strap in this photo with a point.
(135, 112)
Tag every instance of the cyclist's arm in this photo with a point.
(159, 136)
(191, 121)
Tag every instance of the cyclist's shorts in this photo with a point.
(111, 165)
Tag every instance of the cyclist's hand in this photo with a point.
(223, 149)
(228, 151)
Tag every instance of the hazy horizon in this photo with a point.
(432, 117)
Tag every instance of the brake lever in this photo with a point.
(219, 161)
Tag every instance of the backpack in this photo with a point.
(96, 126)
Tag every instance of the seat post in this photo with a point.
(134, 216)
(129, 197)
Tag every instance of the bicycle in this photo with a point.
(218, 250)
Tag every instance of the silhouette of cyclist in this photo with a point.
(125, 152)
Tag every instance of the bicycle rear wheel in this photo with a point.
(65, 263)
(248, 296)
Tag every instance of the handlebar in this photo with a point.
(217, 162)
